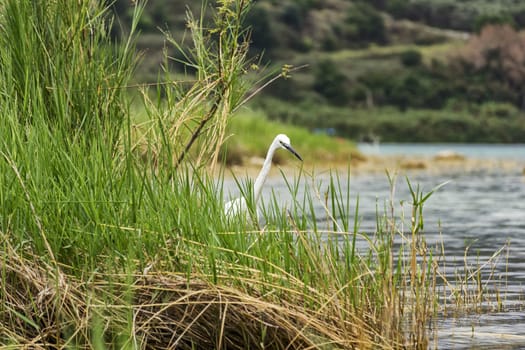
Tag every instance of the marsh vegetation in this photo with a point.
(113, 234)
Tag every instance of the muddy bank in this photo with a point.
(437, 164)
(440, 163)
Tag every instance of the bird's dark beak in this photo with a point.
(289, 148)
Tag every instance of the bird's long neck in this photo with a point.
(261, 178)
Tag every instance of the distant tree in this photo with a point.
(411, 58)
(406, 92)
(293, 15)
(492, 19)
(330, 43)
(397, 8)
(366, 23)
(412, 10)
(330, 83)
(263, 37)
(443, 14)
(160, 14)
(307, 5)
(519, 18)
(498, 53)
(500, 110)
(379, 4)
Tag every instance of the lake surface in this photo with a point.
(480, 151)
(483, 211)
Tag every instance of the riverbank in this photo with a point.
(437, 164)
(445, 162)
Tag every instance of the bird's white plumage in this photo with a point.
(236, 206)
(239, 206)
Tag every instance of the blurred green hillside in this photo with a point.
(384, 69)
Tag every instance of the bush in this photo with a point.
(330, 43)
(411, 58)
(285, 89)
(492, 19)
(330, 82)
(293, 16)
(262, 34)
(397, 8)
(368, 23)
(499, 110)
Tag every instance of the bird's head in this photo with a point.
(284, 142)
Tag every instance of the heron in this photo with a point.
(239, 205)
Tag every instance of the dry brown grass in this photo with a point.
(174, 312)
(37, 301)
(45, 309)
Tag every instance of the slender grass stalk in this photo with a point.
(201, 110)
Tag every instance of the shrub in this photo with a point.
(411, 58)
(293, 16)
(330, 82)
(368, 23)
(500, 110)
(262, 34)
(492, 19)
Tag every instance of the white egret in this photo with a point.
(239, 205)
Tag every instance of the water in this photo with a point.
(483, 210)
(487, 151)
